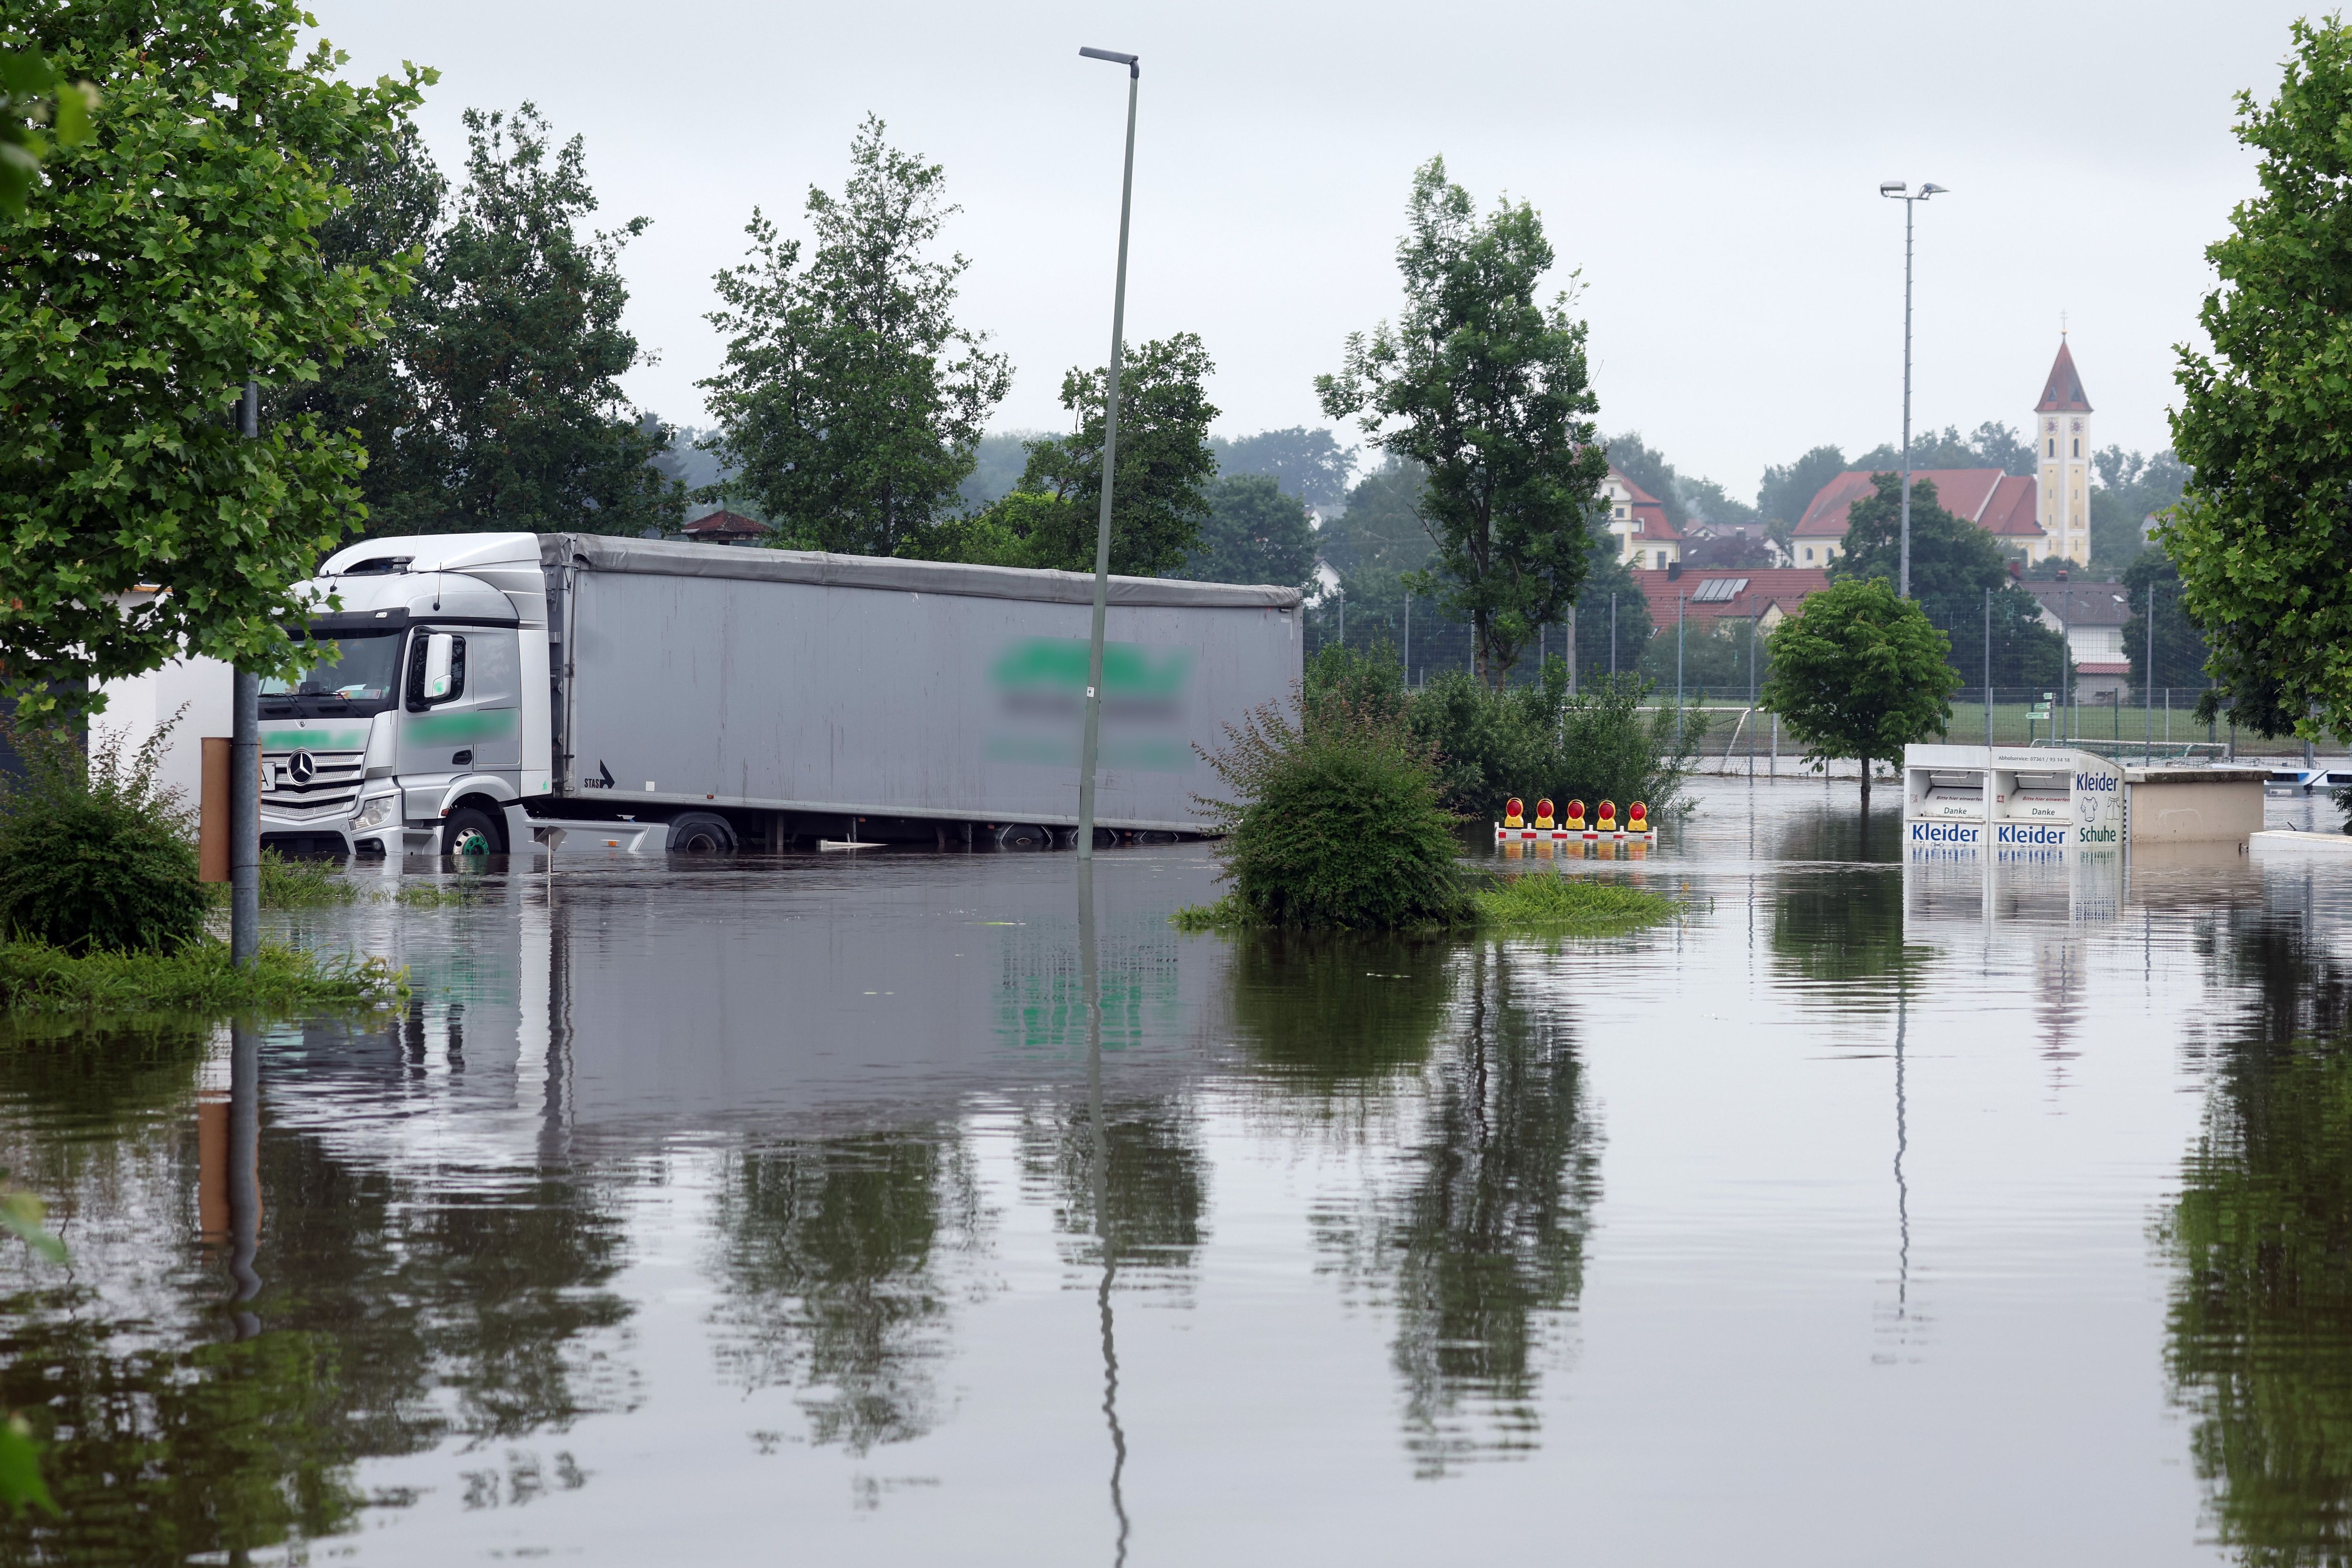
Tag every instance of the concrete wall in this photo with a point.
(2177, 811)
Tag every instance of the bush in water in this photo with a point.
(1334, 820)
(93, 855)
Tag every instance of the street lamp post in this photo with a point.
(1897, 190)
(1110, 468)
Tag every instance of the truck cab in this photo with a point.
(425, 724)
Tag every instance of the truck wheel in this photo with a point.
(1022, 836)
(470, 831)
(701, 833)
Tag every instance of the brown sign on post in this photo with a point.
(212, 812)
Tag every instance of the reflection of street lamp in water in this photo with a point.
(1090, 974)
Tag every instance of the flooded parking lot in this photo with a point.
(726, 1211)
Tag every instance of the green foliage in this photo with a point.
(1254, 533)
(1953, 562)
(1488, 389)
(2180, 646)
(2267, 527)
(1860, 673)
(93, 855)
(516, 348)
(1569, 905)
(1714, 657)
(31, 98)
(1333, 821)
(1788, 489)
(1541, 739)
(176, 254)
(197, 978)
(1165, 466)
(1992, 446)
(1381, 530)
(1308, 464)
(998, 459)
(852, 404)
(395, 209)
(2131, 489)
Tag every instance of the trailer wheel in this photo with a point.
(701, 833)
(1022, 836)
(1154, 836)
(471, 831)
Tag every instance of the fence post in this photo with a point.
(1987, 668)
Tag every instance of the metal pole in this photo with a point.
(1092, 744)
(2148, 687)
(1571, 647)
(1904, 590)
(245, 777)
(1408, 639)
(1987, 668)
(1751, 691)
(1679, 603)
(1613, 636)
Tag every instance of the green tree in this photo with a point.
(1788, 489)
(2132, 491)
(1308, 464)
(1953, 563)
(2267, 527)
(1992, 446)
(1254, 533)
(1165, 466)
(395, 211)
(35, 105)
(2180, 646)
(1381, 530)
(516, 348)
(851, 404)
(175, 255)
(1487, 387)
(1860, 673)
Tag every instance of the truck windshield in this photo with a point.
(358, 676)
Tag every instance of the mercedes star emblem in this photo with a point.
(302, 767)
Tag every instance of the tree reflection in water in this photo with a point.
(2260, 1326)
(398, 1308)
(1477, 1241)
(829, 1262)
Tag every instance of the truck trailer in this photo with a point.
(484, 689)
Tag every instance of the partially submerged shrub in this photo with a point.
(1571, 906)
(93, 855)
(1543, 740)
(1333, 821)
(198, 978)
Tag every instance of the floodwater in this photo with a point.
(785, 1211)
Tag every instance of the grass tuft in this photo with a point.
(1532, 901)
(434, 894)
(1570, 906)
(199, 978)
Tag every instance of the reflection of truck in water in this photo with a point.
(703, 697)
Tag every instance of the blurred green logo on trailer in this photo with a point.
(1129, 670)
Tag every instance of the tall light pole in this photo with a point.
(1897, 190)
(1110, 469)
(245, 774)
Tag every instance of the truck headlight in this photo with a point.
(374, 812)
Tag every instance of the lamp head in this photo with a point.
(1892, 187)
(1132, 62)
(1932, 189)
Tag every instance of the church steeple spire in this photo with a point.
(2061, 445)
(2062, 392)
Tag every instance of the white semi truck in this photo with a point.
(485, 687)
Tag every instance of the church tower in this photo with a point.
(2062, 427)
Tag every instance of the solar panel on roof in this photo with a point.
(1719, 590)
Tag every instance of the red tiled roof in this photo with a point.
(1787, 586)
(1963, 492)
(2009, 513)
(2063, 392)
(2080, 602)
(1650, 519)
(725, 525)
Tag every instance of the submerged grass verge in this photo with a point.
(1531, 901)
(199, 978)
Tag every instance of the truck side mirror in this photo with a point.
(437, 670)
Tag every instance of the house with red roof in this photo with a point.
(1701, 596)
(2032, 516)
(1645, 536)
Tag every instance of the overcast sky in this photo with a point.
(1711, 169)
